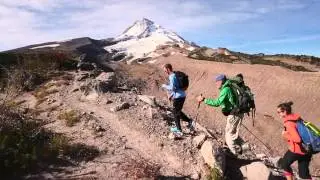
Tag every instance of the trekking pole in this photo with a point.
(253, 115)
(265, 145)
(196, 119)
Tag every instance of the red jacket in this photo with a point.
(292, 135)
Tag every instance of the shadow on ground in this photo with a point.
(234, 165)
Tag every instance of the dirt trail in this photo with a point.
(124, 144)
(147, 148)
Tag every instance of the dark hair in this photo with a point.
(240, 75)
(168, 66)
(286, 107)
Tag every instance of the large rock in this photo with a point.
(195, 56)
(261, 156)
(199, 140)
(151, 100)
(275, 161)
(120, 107)
(86, 66)
(102, 83)
(214, 157)
(82, 76)
(244, 172)
(106, 81)
(256, 170)
(151, 113)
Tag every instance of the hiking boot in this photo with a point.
(174, 129)
(191, 126)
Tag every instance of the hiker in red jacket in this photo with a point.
(296, 152)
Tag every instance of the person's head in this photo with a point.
(284, 109)
(168, 69)
(240, 76)
(220, 79)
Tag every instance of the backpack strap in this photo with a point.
(175, 81)
(300, 119)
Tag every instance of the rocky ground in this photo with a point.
(271, 86)
(127, 118)
(131, 131)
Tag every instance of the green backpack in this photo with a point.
(244, 96)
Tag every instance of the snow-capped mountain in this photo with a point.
(145, 28)
(143, 37)
(140, 40)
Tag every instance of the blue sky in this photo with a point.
(267, 26)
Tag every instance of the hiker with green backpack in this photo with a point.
(227, 100)
(303, 139)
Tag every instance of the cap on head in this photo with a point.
(221, 77)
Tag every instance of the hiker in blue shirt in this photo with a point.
(178, 97)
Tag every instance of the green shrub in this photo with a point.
(70, 117)
(44, 91)
(26, 148)
(215, 175)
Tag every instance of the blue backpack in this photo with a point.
(310, 137)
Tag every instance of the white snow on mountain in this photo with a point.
(143, 37)
(45, 46)
(140, 47)
(145, 28)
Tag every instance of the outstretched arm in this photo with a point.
(217, 102)
(169, 87)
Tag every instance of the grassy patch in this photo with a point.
(14, 104)
(279, 63)
(253, 59)
(246, 58)
(70, 117)
(215, 175)
(42, 93)
(26, 71)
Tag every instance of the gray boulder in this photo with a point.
(256, 170)
(213, 155)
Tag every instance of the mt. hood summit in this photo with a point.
(142, 38)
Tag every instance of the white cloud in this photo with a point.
(296, 39)
(25, 22)
(39, 5)
(291, 4)
(291, 40)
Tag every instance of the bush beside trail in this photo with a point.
(26, 147)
